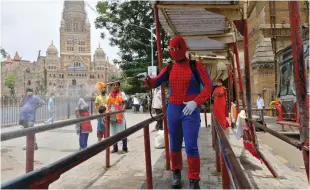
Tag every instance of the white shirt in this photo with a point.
(157, 104)
(260, 103)
(136, 101)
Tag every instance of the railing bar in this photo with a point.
(284, 138)
(239, 178)
(23, 132)
(51, 172)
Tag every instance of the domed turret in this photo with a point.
(99, 52)
(52, 50)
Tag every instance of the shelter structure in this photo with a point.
(215, 28)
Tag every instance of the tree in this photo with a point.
(3, 53)
(10, 82)
(119, 18)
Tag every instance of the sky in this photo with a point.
(28, 26)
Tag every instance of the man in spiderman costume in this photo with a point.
(183, 110)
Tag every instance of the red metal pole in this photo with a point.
(300, 76)
(216, 145)
(148, 161)
(247, 74)
(217, 154)
(239, 74)
(107, 154)
(213, 132)
(263, 119)
(29, 152)
(225, 175)
(205, 115)
(230, 80)
(163, 95)
(235, 82)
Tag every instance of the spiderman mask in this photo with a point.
(177, 48)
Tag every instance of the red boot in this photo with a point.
(193, 172)
(177, 166)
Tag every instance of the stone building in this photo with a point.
(72, 68)
(260, 44)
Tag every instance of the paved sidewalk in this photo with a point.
(259, 175)
(128, 170)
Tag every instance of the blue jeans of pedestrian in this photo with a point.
(51, 118)
(83, 140)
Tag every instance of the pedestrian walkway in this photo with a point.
(259, 175)
(128, 170)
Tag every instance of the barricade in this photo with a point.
(41, 178)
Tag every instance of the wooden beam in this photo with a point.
(209, 50)
(168, 21)
(193, 6)
(230, 14)
(225, 38)
(251, 7)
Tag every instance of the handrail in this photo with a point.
(231, 163)
(37, 129)
(41, 178)
(284, 138)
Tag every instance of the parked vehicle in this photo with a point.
(287, 109)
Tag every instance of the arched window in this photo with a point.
(62, 75)
(50, 83)
(54, 76)
(54, 84)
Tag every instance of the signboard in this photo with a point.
(77, 68)
(152, 71)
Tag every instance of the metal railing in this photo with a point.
(42, 178)
(64, 109)
(226, 160)
(280, 136)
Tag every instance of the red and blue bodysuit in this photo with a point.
(183, 88)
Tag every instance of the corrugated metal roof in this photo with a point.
(185, 19)
(203, 44)
(192, 21)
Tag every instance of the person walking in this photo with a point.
(220, 104)
(51, 109)
(28, 110)
(157, 105)
(100, 101)
(136, 104)
(260, 105)
(117, 102)
(85, 127)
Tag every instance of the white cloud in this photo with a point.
(30, 25)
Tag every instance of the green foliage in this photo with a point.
(10, 82)
(3, 53)
(119, 18)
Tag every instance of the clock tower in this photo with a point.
(75, 56)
